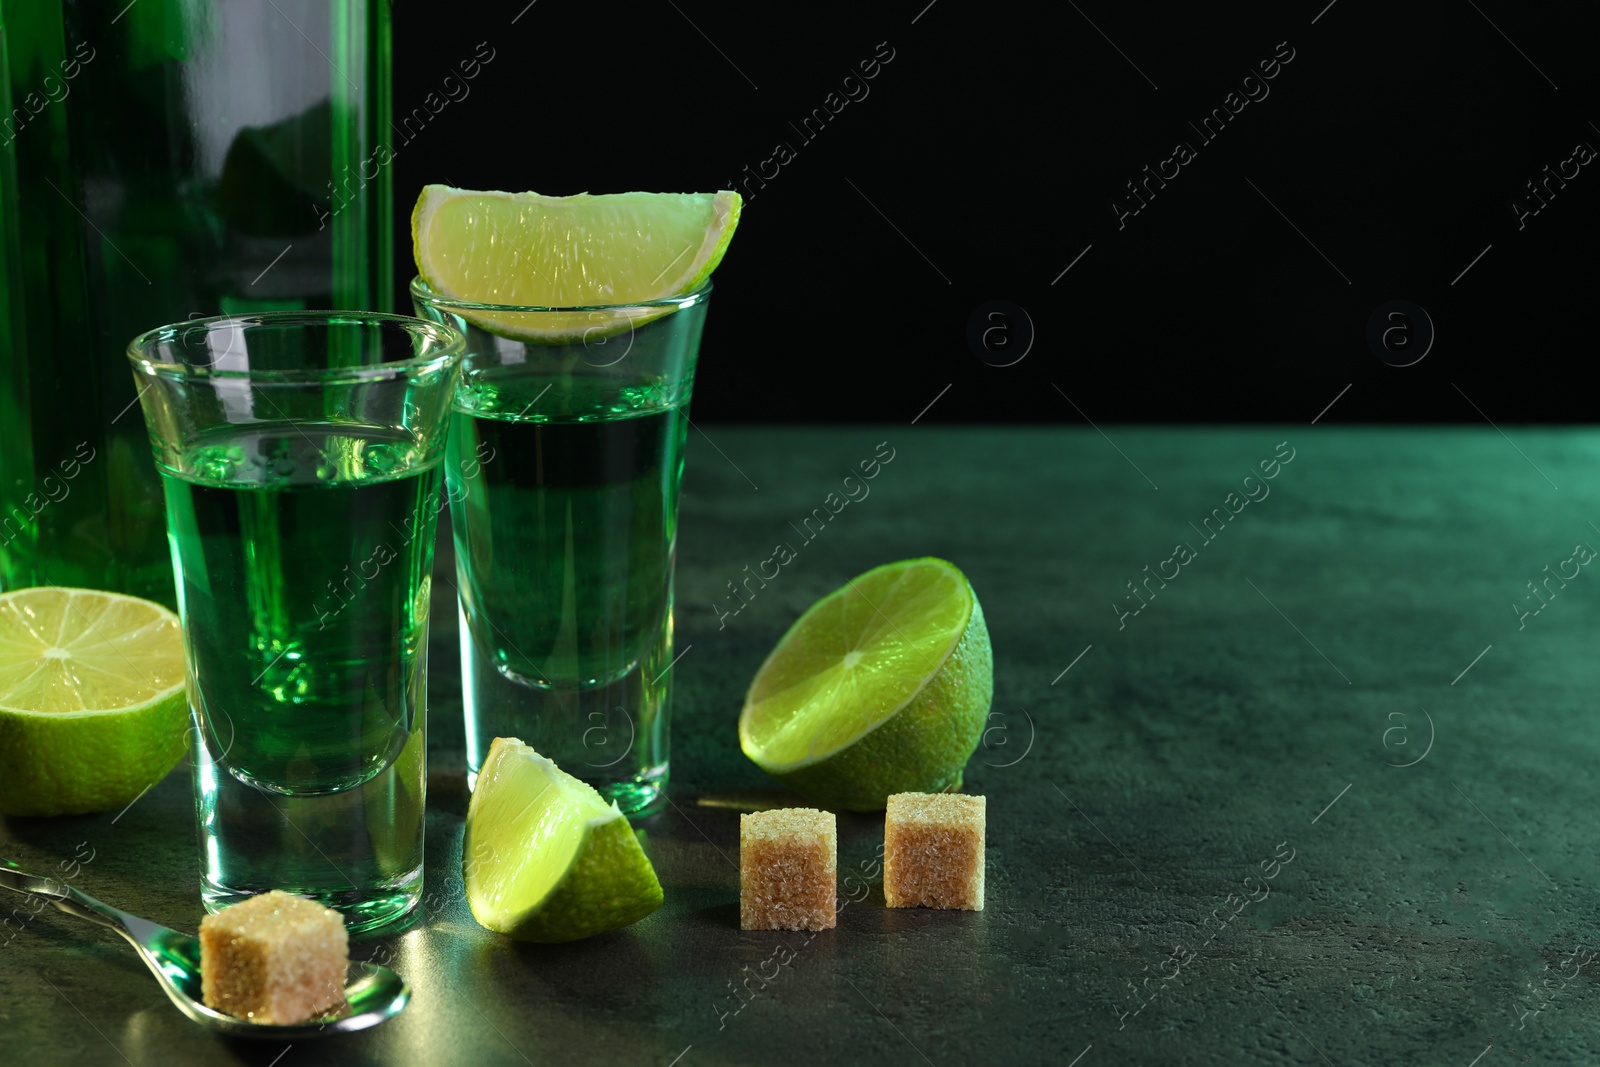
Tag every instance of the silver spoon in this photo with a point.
(373, 994)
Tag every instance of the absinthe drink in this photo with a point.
(564, 512)
(307, 685)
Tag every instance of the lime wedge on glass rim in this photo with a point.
(581, 252)
(545, 858)
(882, 686)
(92, 703)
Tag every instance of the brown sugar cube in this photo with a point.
(933, 851)
(788, 870)
(274, 958)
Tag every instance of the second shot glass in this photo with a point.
(566, 454)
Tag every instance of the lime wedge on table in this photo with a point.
(568, 252)
(882, 686)
(92, 708)
(545, 858)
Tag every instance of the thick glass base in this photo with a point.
(611, 733)
(640, 798)
(358, 851)
(365, 910)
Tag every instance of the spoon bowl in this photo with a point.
(372, 993)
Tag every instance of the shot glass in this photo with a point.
(565, 459)
(301, 456)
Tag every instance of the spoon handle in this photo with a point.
(64, 897)
(22, 881)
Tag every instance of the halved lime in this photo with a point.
(579, 251)
(92, 707)
(545, 858)
(882, 686)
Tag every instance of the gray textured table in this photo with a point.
(1337, 675)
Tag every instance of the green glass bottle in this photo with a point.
(163, 160)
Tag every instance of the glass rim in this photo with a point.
(422, 291)
(451, 341)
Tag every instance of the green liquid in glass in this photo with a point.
(565, 517)
(304, 559)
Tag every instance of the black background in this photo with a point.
(987, 155)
